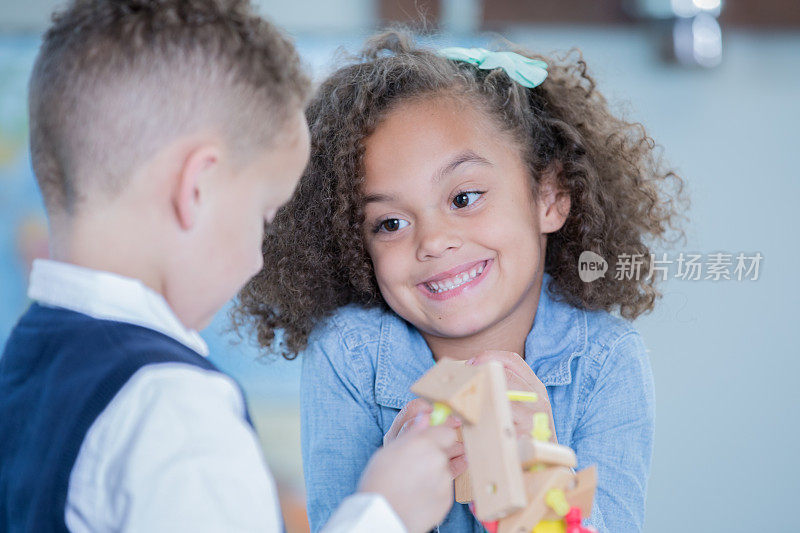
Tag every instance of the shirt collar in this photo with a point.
(557, 337)
(108, 296)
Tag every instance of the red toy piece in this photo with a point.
(573, 521)
(491, 527)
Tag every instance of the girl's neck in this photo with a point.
(508, 335)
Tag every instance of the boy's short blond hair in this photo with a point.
(117, 79)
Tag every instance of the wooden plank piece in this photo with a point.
(581, 494)
(455, 384)
(492, 452)
(532, 452)
(463, 488)
(463, 484)
(537, 484)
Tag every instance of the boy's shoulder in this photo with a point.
(75, 339)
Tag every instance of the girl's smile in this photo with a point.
(456, 281)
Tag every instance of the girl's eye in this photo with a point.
(391, 224)
(464, 199)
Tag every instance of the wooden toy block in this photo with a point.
(532, 452)
(477, 394)
(581, 493)
(491, 449)
(463, 484)
(537, 484)
(501, 495)
(463, 487)
(453, 383)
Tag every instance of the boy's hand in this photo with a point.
(405, 418)
(412, 473)
(519, 376)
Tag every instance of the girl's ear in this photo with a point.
(554, 202)
(187, 198)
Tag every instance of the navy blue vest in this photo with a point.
(58, 372)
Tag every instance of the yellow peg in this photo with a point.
(541, 427)
(550, 526)
(522, 396)
(557, 501)
(439, 414)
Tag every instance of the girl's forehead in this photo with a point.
(426, 138)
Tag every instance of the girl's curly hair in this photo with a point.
(314, 256)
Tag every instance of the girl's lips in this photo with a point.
(465, 267)
(452, 293)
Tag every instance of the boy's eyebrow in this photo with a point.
(467, 156)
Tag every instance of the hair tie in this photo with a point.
(524, 70)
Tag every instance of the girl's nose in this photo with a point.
(436, 239)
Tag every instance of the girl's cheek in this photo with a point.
(388, 267)
(509, 226)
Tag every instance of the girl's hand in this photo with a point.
(519, 376)
(405, 419)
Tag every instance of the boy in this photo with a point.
(163, 134)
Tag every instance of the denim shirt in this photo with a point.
(360, 365)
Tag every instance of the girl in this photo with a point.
(447, 202)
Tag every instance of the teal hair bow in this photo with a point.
(524, 70)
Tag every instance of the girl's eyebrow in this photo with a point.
(465, 157)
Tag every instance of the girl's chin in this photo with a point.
(455, 330)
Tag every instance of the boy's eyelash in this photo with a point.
(376, 228)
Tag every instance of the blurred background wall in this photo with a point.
(718, 86)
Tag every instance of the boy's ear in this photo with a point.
(554, 202)
(187, 197)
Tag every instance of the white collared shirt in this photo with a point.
(172, 451)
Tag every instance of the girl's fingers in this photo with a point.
(515, 382)
(455, 450)
(458, 465)
(453, 422)
(422, 420)
(411, 410)
(419, 422)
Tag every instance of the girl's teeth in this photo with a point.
(457, 281)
